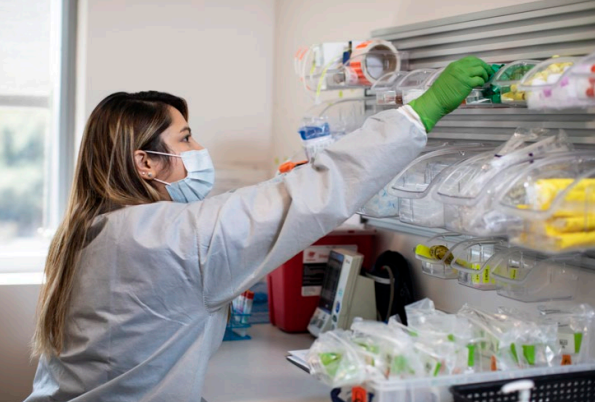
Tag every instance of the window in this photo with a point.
(36, 57)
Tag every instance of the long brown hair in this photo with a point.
(106, 178)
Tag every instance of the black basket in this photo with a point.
(568, 387)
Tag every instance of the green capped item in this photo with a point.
(514, 353)
(578, 341)
(471, 358)
(529, 353)
(331, 362)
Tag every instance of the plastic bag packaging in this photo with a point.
(511, 343)
(575, 323)
(436, 326)
(334, 360)
(441, 343)
(541, 81)
(389, 354)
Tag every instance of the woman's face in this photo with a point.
(178, 138)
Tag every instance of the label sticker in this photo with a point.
(314, 262)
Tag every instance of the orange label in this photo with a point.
(494, 364)
(359, 394)
(566, 360)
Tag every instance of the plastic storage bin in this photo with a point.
(529, 277)
(383, 205)
(385, 88)
(467, 190)
(568, 387)
(435, 255)
(539, 83)
(414, 184)
(507, 80)
(438, 389)
(576, 88)
(412, 85)
(294, 287)
(555, 197)
(473, 259)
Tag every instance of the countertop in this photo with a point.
(256, 370)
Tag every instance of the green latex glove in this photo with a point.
(450, 89)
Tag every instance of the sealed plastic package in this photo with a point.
(576, 323)
(334, 360)
(555, 198)
(511, 343)
(577, 87)
(539, 83)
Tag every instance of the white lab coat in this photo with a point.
(148, 307)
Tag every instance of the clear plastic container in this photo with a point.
(385, 204)
(438, 389)
(506, 82)
(555, 197)
(467, 190)
(412, 85)
(414, 184)
(529, 277)
(385, 88)
(540, 81)
(435, 255)
(432, 78)
(576, 88)
(473, 259)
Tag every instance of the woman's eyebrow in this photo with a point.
(186, 129)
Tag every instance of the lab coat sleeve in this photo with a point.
(244, 235)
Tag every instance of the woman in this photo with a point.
(138, 286)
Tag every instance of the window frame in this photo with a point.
(59, 162)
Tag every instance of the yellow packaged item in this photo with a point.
(571, 224)
(546, 191)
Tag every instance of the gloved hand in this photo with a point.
(450, 89)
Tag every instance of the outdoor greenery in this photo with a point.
(23, 133)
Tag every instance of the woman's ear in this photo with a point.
(144, 165)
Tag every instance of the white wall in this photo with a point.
(17, 320)
(305, 22)
(217, 54)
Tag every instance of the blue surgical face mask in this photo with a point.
(199, 181)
